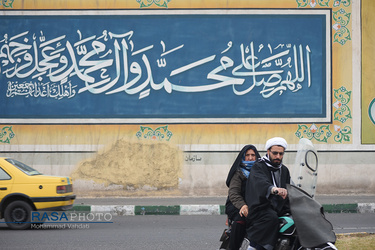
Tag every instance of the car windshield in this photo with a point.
(23, 167)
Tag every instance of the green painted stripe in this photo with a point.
(81, 208)
(157, 210)
(175, 210)
(340, 208)
(222, 209)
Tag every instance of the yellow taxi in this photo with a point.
(23, 190)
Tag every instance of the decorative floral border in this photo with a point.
(341, 18)
(7, 3)
(342, 114)
(6, 134)
(148, 3)
(159, 134)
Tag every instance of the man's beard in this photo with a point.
(276, 162)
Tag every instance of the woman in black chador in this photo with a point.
(236, 207)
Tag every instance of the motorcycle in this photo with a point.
(307, 229)
(288, 239)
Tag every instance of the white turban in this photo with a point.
(276, 141)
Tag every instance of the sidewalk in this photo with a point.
(207, 205)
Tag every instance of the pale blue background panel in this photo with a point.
(163, 66)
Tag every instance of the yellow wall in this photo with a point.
(339, 132)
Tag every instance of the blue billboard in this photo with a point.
(158, 66)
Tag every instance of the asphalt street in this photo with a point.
(151, 232)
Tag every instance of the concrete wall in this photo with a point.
(204, 173)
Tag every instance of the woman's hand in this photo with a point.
(244, 211)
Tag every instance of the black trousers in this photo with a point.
(238, 232)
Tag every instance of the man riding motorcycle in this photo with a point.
(266, 196)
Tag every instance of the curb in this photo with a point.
(130, 210)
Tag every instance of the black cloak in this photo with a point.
(265, 208)
(258, 194)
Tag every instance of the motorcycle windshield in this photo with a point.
(305, 170)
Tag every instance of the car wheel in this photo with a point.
(17, 215)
